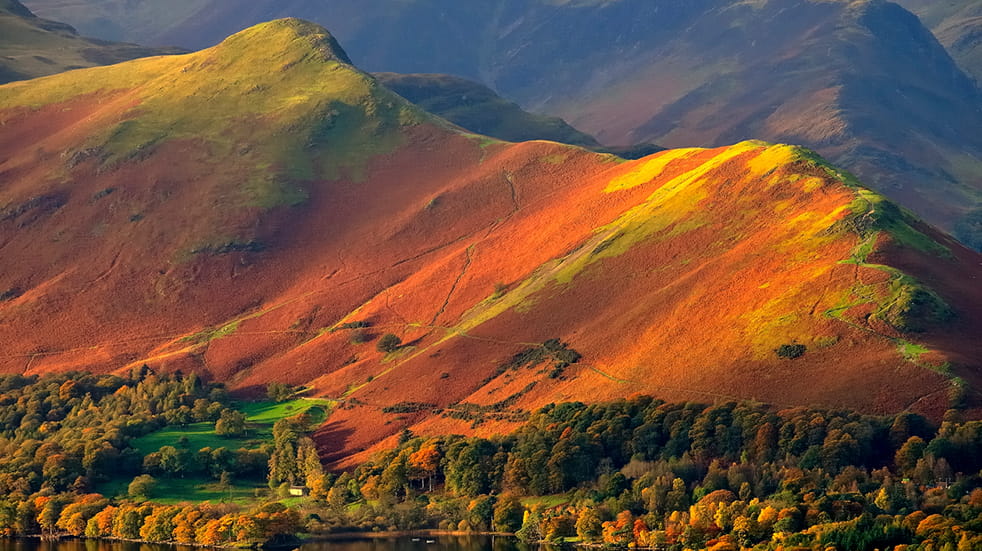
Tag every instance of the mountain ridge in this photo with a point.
(830, 75)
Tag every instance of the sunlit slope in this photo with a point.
(683, 275)
(151, 184)
(264, 211)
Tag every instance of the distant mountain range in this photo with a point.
(862, 82)
(32, 47)
(263, 210)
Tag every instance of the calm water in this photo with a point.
(440, 543)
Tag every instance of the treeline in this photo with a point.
(642, 472)
(93, 516)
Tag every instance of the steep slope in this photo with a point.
(31, 47)
(832, 75)
(264, 211)
(958, 25)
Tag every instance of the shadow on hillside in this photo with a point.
(331, 440)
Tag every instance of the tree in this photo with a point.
(508, 513)
(176, 461)
(790, 351)
(279, 392)
(481, 511)
(25, 519)
(909, 453)
(530, 532)
(388, 343)
(142, 487)
(48, 517)
(619, 532)
(230, 423)
(159, 525)
(589, 527)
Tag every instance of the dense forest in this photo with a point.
(646, 473)
(631, 473)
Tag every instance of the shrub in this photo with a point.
(790, 351)
(388, 343)
(499, 290)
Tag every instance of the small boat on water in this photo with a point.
(430, 541)
(415, 539)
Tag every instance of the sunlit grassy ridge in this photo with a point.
(242, 99)
(676, 207)
(261, 117)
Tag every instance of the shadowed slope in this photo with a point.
(31, 47)
(478, 109)
(264, 211)
(958, 25)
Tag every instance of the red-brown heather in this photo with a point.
(230, 211)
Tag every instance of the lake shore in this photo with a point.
(399, 534)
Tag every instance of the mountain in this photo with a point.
(469, 104)
(263, 210)
(121, 20)
(31, 47)
(477, 108)
(958, 25)
(861, 82)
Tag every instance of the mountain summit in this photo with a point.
(262, 210)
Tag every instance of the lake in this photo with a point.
(440, 543)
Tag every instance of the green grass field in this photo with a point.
(260, 417)
(196, 489)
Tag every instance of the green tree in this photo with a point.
(142, 487)
(48, 517)
(589, 527)
(230, 423)
(508, 514)
(279, 392)
(25, 521)
(909, 453)
(531, 530)
(480, 512)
